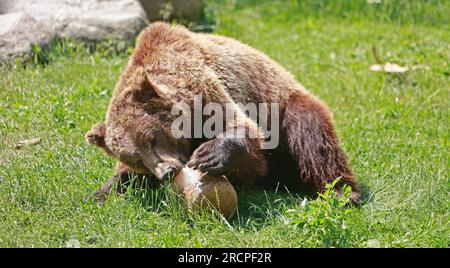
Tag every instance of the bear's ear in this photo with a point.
(157, 90)
(146, 89)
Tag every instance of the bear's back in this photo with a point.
(249, 75)
(246, 74)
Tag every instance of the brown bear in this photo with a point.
(170, 64)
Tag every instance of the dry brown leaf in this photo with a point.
(24, 143)
(388, 68)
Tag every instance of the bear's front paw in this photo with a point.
(218, 156)
(96, 135)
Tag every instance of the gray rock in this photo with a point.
(115, 19)
(19, 31)
(86, 19)
(24, 22)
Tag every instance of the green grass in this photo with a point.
(394, 128)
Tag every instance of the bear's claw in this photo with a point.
(217, 156)
(96, 135)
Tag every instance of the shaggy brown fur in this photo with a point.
(171, 64)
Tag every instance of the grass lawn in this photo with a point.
(394, 129)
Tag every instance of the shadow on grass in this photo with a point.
(260, 207)
(257, 206)
(366, 193)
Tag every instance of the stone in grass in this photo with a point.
(201, 190)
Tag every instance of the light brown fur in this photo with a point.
(171, 64)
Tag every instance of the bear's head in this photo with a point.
(137, 129)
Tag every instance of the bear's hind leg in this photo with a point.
(314, 145)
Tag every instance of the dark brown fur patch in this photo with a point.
(312, 141)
